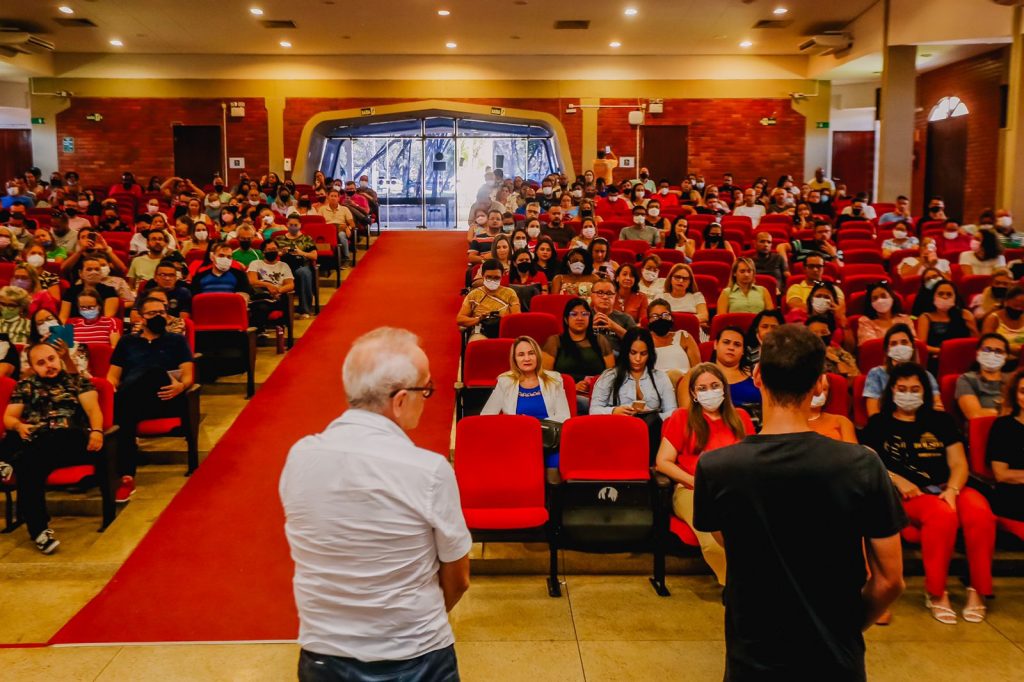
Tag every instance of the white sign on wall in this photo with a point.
(236, 162)
(627, 161)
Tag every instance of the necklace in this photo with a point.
(811, 419)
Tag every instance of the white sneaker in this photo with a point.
(46, 543)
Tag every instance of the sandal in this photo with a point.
(943, 614)
(885, 618)
(974, 614)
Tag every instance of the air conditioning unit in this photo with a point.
(826, 43)
(13, 42)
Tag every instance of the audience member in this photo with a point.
(728, 356)
(682, 294)
(91, 276)
(628, 298)
(837, 359)
(763, 322)
(928, 258)
(750, 208)
(484, 306)
(608, 322)
(798, 294)
(640, 230)
(270, 278)
(577, 275)
(743, 295)
(899, 349)
(944, 318)
(578, 351)
(984, 256)
(768, 262)
(1006, 320)
(547, 258)
(714, 238)
(92, 328)
(883, 310)
(220, 276)
(676, 238)
(1005, 453)
(677, 351)
(979, 391)
(298, 251)
(14, 322)
(651, 284)
(835, 426)
(994, 295)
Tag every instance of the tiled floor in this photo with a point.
(605, 628)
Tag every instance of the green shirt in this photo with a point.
(301, 243)
(247, 257)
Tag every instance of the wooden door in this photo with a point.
(197, 153)
(664, 152)
(853, 159)
(15, 153)
(946, 164)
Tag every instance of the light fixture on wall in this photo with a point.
(116, 42)
(630, 11)
(779, 11)
(746, 44)
(284, 43)
(615, 43)
(443, 12)
(256, 11)
(64, 9)
(451, 45)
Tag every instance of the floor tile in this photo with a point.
(208, 662)
(515, 608)
(912, 622)
(519, 661)
(67, 664)
(33, 610)
(644, 661)
(941, 662)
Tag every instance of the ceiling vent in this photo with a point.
(572, 25)
(74, 22)
(827, 43)
(278, 23)
(774, 23)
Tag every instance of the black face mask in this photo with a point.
(350, 192)
(284, 196)
(245, 244)
(157, 325)
(523, 267)
(999, 292)
(660, 327)
(270, 256)
(1013, 313)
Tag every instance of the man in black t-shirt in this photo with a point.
(795, 511)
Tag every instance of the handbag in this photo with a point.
(550, 435)
(490, 326)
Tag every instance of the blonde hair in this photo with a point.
(742, 260)
(515, 373)
(691, 287)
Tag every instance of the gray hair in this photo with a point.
(379, 362)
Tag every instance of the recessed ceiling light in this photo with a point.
(256, 12)
(630, 11)
(116, 43)
(746, 43)
(284, 43)
(65, 9)
(779, 10)
(443, 12)
(451, 46)
(615, 43)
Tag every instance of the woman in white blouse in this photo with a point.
(985, 256)
(682, 294)
(527, 388)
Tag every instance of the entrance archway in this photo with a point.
(946, 155)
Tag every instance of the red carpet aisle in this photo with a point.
(215, 566)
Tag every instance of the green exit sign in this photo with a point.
(821, 124)
(38, 120)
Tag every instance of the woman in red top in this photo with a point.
(711, 422)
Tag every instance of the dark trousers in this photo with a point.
(48, 450)
(436, 666)
(136, 402)
(260, 309)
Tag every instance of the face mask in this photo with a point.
(507, 227)
(577, 193)
(660, 327)
(821, 305)
(533, 232)
(951, 234)
(35, 260)
(9, 313)
(481, 220)
(491, 285)
(21, 283)
(254, 202)
(640, 195)
(819, 400)
(245, 244)
(214, 204)
(899, 234)
(222, 263)
(649, 275)
(294, 229)
(270, 256)
(84, 203)
(901, 353)
(104, 271)
(157, 325)
(613, 197)
(576, 268)
(89, 314)
(711, 400)
(268, 220)
(908, 402)
(151, 209)
(990, 361)
(45, 327)
(1013, 313)
(201, 235)
(638, 219)
(523, 267)
(284, 196)
(944, 304)
(227, 218)
(336, 187)
(546, 191)
(664, 191)
(364, 184)
(882, 305)
(588, 232)
(1004, 221)
(930, 284)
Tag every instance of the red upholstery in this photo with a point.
(552, 304)
(857, 225)
(871, 354)
(977, 439)
(325, 236)
(860, 406)
(862, 254)
(851, 269)
(972, 285)
(858, 283)
(956, 356)
(769, 283)
(682, 531)
(69, 476)
(621, 256)
(687, 321)
(860, 233)
(501, 479)
(538, 326)
(570, 393)
(220, 312)
(310, 218)
(706, 349)
(485, 360)
(775, 219)
(947, 391)
(668, 255)
(838, 395)
(907, 285)
(158, 427)
(723, 320)
(604, 447)
(713, 255)
(637, 246)
(99, 359)
(717, 269)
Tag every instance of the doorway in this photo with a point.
(946, 163)
(197, 153)
(853, 160)
(665, 151)
(15, 152)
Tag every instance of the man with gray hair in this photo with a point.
(375, 526)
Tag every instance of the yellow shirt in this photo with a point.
(802, 290)
(491, 301)
(603, 169)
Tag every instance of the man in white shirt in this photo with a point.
(375, 526)
(750, 208)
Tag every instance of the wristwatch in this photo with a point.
(96, 431)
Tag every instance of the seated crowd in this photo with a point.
(658, 297)
(101, 280)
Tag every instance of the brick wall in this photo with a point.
(976, 81)
(136, 134)
(725, 135)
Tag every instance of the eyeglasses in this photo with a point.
(680, 278)
(579, 314)
(427, 390)
(602, 293)
(813, 266)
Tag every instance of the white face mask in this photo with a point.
(577, 193)
(819, 400)
(588, 232)
(44, 327)
(638, 219)
(35, 260)
(821, 305)
(990, 361)
(649, 275)
(664, 191)
(1004, 221)
(901, 353)
(711, 399)
(899, 234)
(546, 191)
(83, 204)
(576, 268)
(533, 232)
(151, 208)
(254, 202)
(654, 211)
(12, 191)
(222, 263)
(214, 204)
(640, 195)
(944, 304)
(201, 235)
(519, 244)
(908, 402)
(951, 234)
(882, 305)
(491, 285)
(481, 220)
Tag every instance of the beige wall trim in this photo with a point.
(275, 134)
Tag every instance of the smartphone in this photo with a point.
(65, 332)
(639, 405)
(932, 489)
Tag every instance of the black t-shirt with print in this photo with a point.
(915, 450)
(793, 510)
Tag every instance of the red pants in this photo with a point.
(939, 523)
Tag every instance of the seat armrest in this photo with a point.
(660, 479)
(552, 476)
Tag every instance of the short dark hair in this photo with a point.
(792, 360)
(490, 264)
(907, 370)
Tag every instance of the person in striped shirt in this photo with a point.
(93, 328)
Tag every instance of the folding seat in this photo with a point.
(723, 320)
(638, 246)
(102, 473)
(328, 250)
(907, 285)
(947, 391)
(499, 467)
(856, 225)
(782, 219)
(612, 235)
(779, 234)
(718, 269)
(852, 233)
(860, 404)
(538, 326)
(569, 385)
(972, 285)
(737, 236)
(875, 269)
(709, 285)
(222, 322)
(871, 353)
(622, 256)
(863, 255)
(602, 496)
(484, 361)
(858, 283)
(741, 222)
(838, 395)
(1013, 254)
(932, 225)
(671, 256)
(687, 322)
(552, 304)
(978, 430)
(699, 220)
(956, 356)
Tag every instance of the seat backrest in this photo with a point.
(957, 355)
(875, 269)
(688, 322)
(538, 326)
(604, 447)
(321, 232)
(668, 255)
(105, 393)
(857, 284)
(621, 256)
(570, 393)
(552, 304)
(863, 255)
(220, 310)
(972, 285)
(485, 360)
(860, 403)
(720, 270)
(723, 320)
(499, 462)
(637, 246)
(947, 391)
(907, 285)
(99, 359)
(977, 438)
(838, 395)
(7, 385)
(710, 286)
(776, 219)
(871, 353)
(713, 255)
